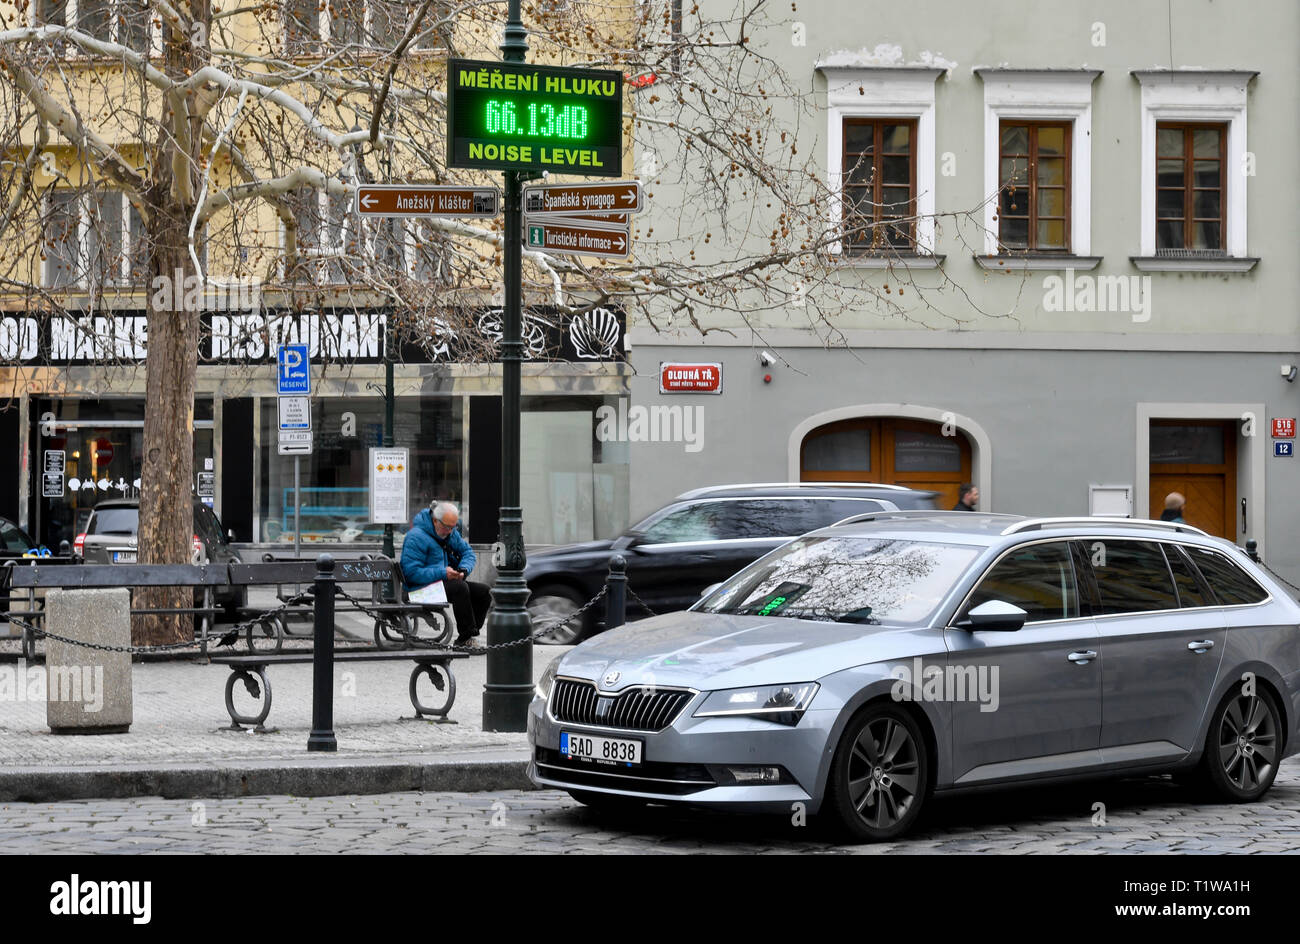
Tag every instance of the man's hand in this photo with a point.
(454, 574)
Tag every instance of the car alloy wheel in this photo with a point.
(1243, 746)
(553, 606)
(880, 774)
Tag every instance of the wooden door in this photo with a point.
(1197, 458)
(911, 453)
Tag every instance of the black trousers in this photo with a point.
(469, 602)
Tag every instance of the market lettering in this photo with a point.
(98, 339)
(19, 339)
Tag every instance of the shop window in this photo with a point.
(335, 478)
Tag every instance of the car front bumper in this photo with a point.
(687, 762)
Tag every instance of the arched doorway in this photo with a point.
(890, 450)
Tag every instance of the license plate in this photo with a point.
(604, 750)
(124, 557)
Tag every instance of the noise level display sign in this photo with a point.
(515, 116)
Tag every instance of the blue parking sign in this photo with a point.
(1284, 448)
(293, 370)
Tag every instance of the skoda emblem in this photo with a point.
(610, 679)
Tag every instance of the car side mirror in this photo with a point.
(995, 615)
(230, 534)
(708, 591)
(628, 540)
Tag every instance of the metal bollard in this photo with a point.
(616, 592)
(322, 688)
(1252, 550)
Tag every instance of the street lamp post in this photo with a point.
(509, 686)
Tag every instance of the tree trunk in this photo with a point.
(166, 492)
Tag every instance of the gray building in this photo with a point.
(1093, 213)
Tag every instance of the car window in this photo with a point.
(1232, 585)
(12, 538)
(115, 520)
(1189, 588)
(852, 580)
(701, 521)
(1038, 578)
(1132, 577)
(787, 517)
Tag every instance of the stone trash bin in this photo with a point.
(88, 691)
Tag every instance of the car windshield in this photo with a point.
(845, 579)
(115, 521)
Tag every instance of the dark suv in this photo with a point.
(112, 533)
(700, 538)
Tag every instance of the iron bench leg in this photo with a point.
(262, 692)
(440, 674)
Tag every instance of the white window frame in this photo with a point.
(886, 92)
(1041, 95)
(1210, 97)
(71, 10)
(85, 282)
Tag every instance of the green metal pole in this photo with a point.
(509, 686)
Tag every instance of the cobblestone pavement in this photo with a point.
(180, 713)
(1149, 815)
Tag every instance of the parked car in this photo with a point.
(112, 532)
(866, 667)
(14, 545)
(699, 538)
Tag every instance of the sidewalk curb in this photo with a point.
(321, 775)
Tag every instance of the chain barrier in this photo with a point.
(230, 636)
(645, 606)
(1275, 574)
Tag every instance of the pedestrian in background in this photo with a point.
(967, 497)
(434, 550)
(1174, 505)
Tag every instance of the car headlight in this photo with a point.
(784, 704)
(543, 687)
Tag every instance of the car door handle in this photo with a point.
(1082, 657)
(1203, 646)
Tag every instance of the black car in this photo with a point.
(700, 538)
(14, 545)
(112, 533)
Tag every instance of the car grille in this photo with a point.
(659, 778)
(633, 709)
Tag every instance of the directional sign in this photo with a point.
(573, 199)
(412, 200)
(295, 442)
(295, 413)
(293, 371)
(516, 116)
(579, 239)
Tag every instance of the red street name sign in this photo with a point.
(690, 378)
(1284, 428)
(412, 200)
(573, 199)
(579, 240)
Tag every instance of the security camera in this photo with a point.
(1289, 373)
(766, 358)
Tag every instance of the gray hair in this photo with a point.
(440, 508)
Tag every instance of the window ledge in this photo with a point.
(906, 260)
(1035, 261)
(1207, 264)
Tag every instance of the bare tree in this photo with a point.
(238, 134)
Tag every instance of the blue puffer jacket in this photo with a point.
(424, 557)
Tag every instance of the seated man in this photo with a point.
(435, 550)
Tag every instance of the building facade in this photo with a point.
(1091, 213)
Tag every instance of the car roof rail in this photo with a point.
(918, 513)
(705, 490)
(1100, 521)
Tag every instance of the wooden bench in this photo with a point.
(396, 623)
(436, 665)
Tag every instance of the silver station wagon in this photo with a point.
(865, 667)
